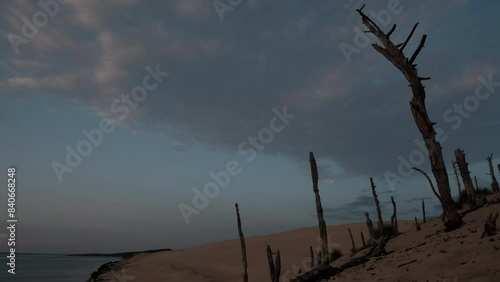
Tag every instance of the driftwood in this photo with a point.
(319, 209)
(416, 246)
(494, 182)
(377, 205)
(417, 225)
(363, 239)
(243, 247)
(320, 272)
(482, 201)
(394, 217)
(463, 166)
(274, 266)
(406, 263)
(490, 226)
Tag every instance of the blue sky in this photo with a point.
(230, 69)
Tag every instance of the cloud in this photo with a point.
(227, 76)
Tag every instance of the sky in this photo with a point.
(138, 125)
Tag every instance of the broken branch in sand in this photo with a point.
(490, 226)
(243, 247)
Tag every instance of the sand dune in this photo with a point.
(455, 256)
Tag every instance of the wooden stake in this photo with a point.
(394, 217)
(319, 209)
(352, 241)
(423, 209)
(417, 225)
(363, 239)
(243, 247)
(312, 256)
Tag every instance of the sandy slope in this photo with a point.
(457, 256)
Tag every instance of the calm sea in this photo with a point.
(51, 268)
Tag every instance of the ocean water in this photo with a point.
(51, 268)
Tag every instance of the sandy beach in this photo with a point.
(459, 255)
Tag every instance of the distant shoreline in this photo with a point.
(123, 255)
(113, 265)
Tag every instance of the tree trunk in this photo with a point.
(494, 182)
(243, 247)
(379, 212)
(463, 166)
(455, 171)
(395, 55)
(319, 209)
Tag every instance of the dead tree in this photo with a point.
(319, 209)
(494, 182)
(498, 165)
(394, 217)
(394, 54)
(353, 250)
(371, 230)
(477, 186)
(423, 210)
(455, 172)
(377, 205)
(417, 225)
(243, 247)
(490, 226)
(363, 239)
(274, 266)
(463, 166)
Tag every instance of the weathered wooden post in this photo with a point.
(394, 217)
(363, 239)
(242, 243)
(417, 225)
(353, 249)
(423, 210)
(319, 209)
